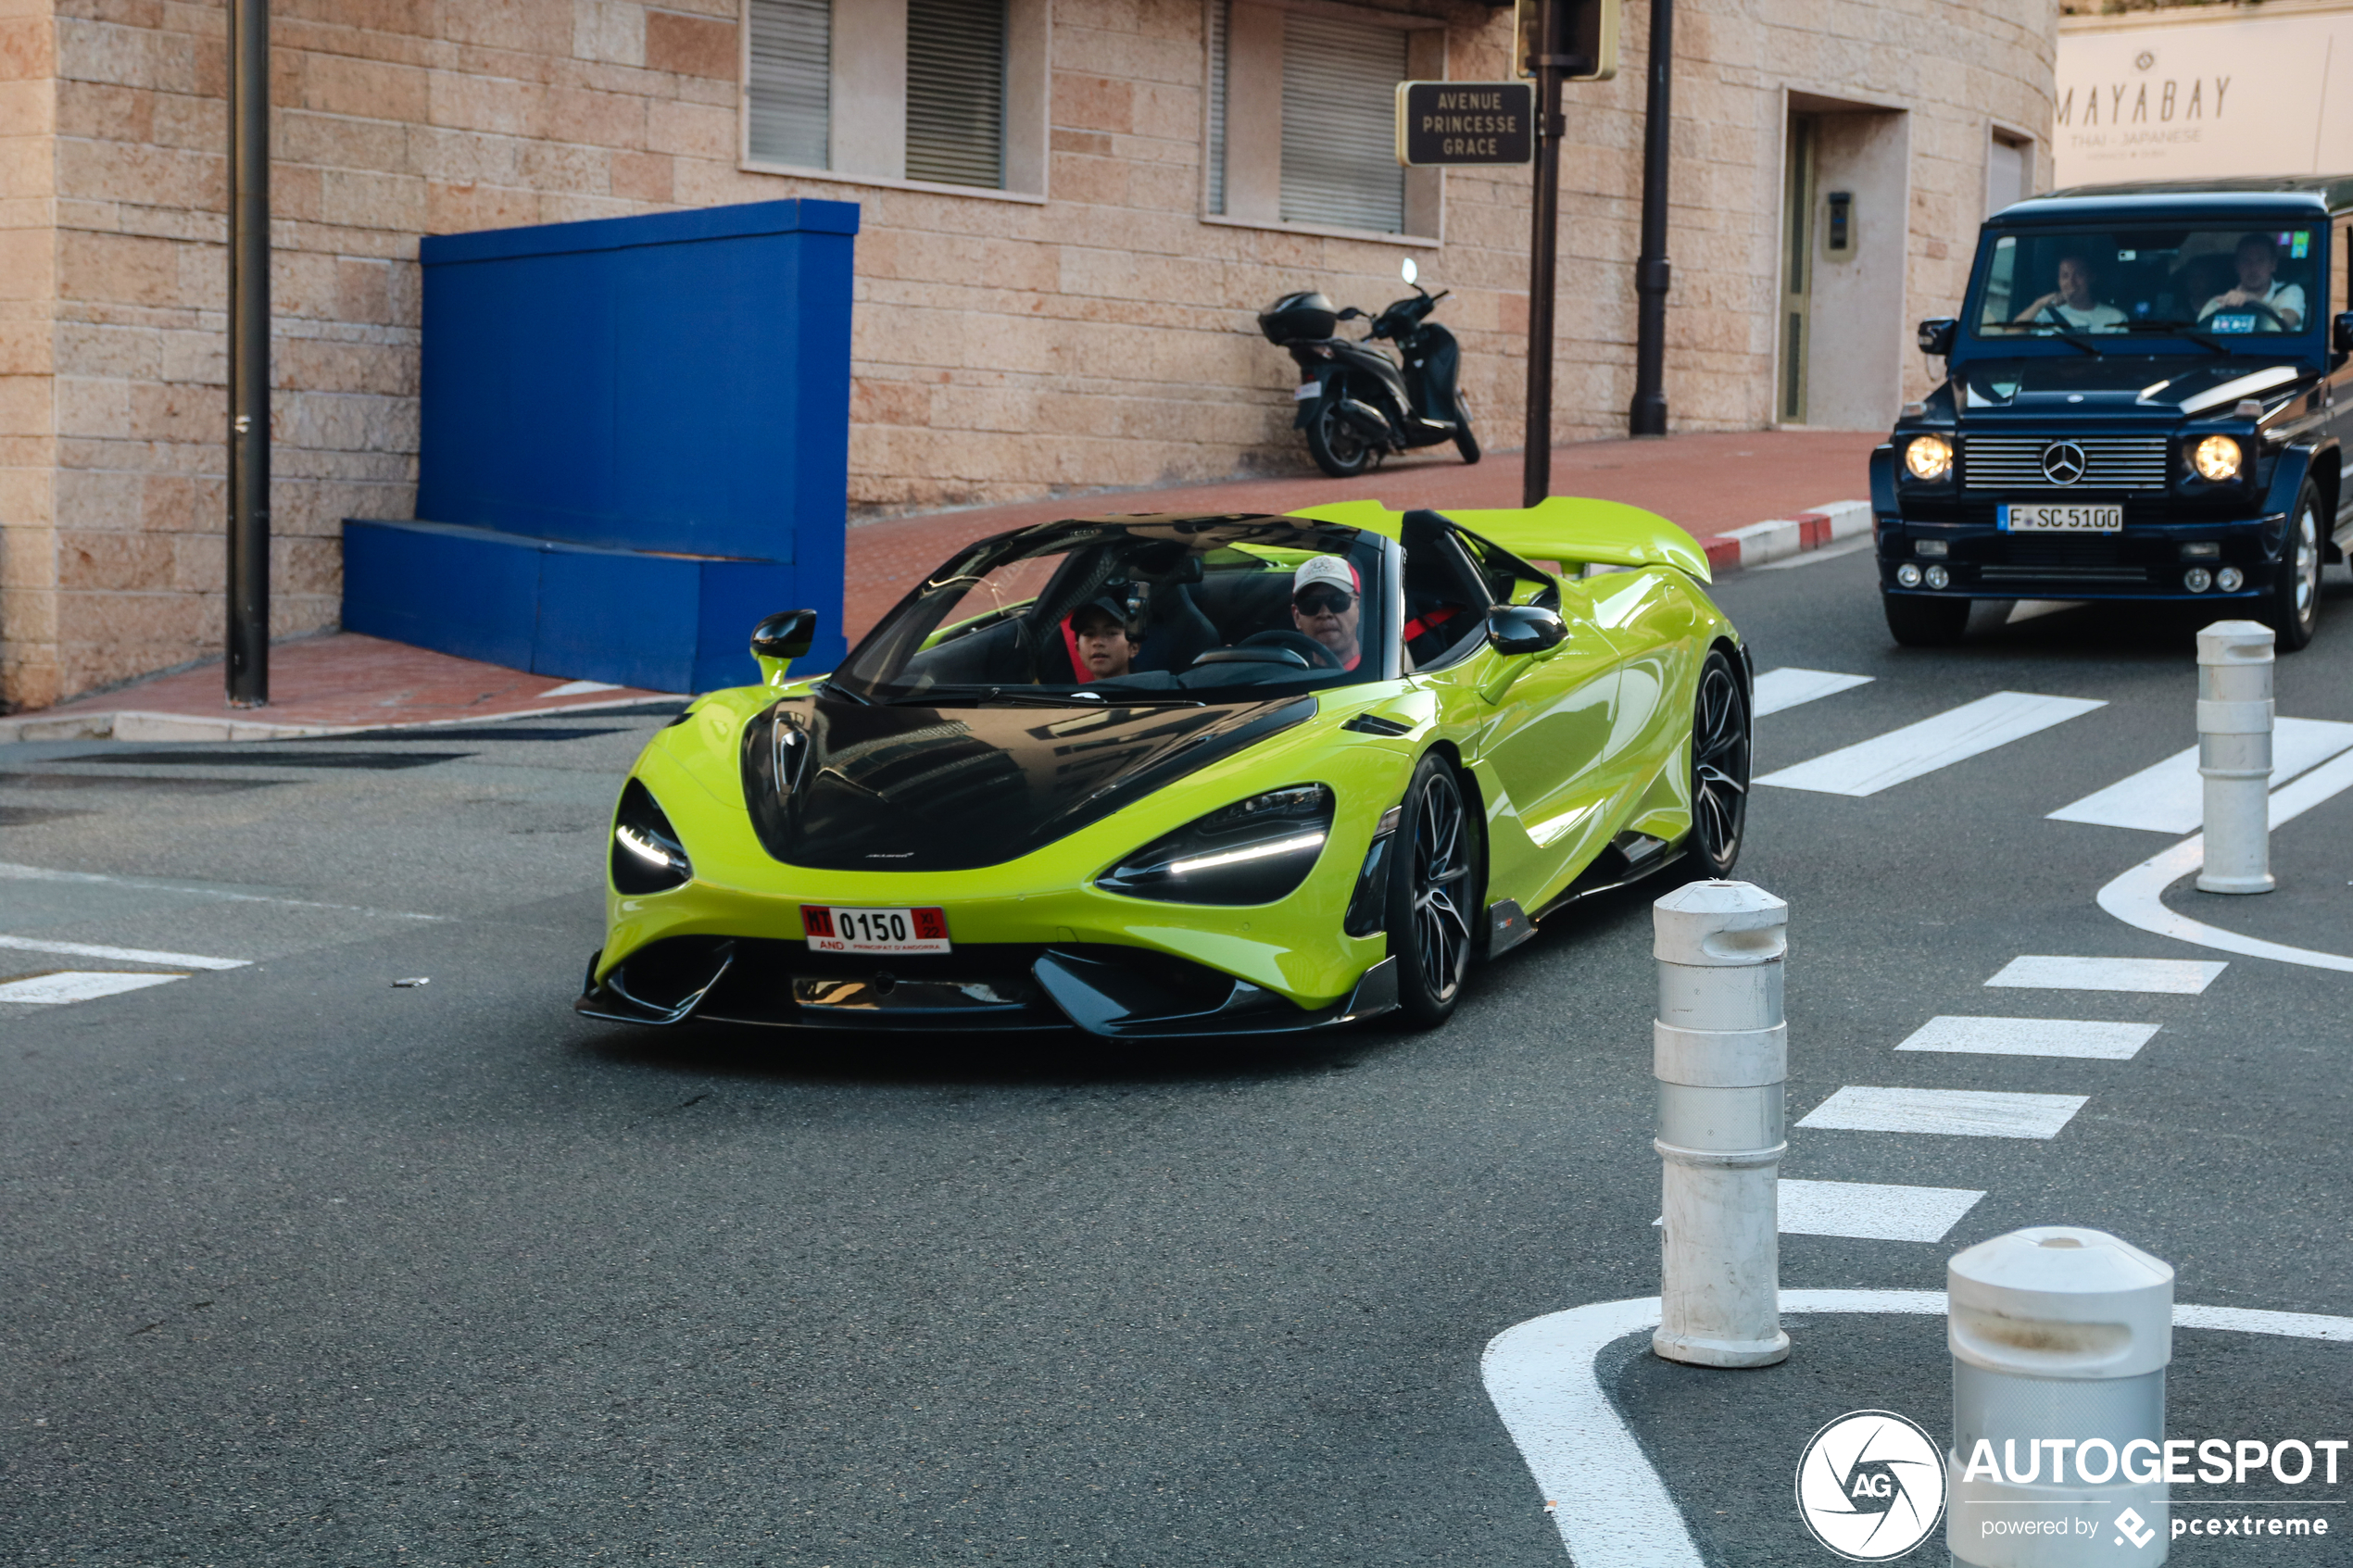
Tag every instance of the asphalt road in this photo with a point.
(302, 1267)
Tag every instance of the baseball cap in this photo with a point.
(1112, 604)
(1330, 571)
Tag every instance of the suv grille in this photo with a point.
(2110, 463)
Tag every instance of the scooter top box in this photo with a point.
(1299, 318)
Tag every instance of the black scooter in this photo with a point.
(1355, 404)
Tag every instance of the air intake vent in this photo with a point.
(2037, 462)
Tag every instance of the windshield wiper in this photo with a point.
(2182, 329)
(2080, 341)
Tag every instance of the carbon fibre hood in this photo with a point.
(838, 785)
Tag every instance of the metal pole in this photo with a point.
(1536, 481)
(1647, 415)
(248, 584)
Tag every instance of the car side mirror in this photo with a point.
(1936, 336)
(783, 637)
(2341, 332)
(1513, 629)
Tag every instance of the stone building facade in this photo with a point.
(1086, 324)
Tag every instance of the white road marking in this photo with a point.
(2137, 899)
(10, 871)
(1778, 689)
(79, 986)
(2168, 796)
(1968, 1113)
(123, 955)
(1870, 1212)
(578, 688)
(1811, 557)
(1868, 767)
(1867, 1211)
(2044, 972)
(1607, 1503)
(2031, 1036)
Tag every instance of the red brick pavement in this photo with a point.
(1708, 484)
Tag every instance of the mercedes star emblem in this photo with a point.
(2063, 462)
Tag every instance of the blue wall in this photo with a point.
(674, 384)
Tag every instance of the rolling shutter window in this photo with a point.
(1217, 11)
(1339, 124)
(790, 85)
(956, 91)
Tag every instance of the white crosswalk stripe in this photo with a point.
(2030, 1036)
(120, 955)
(2168, 796)
(1870, 1211)
(79, 986)
(1970, 730)
(1972, 1113)
(1780, 689)
(2049, 971)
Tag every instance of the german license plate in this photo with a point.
(2063, 520)
(832, 930)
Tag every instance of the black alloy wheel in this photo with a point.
(1920, 622)
(2294, 608)
(1433, 894)
(1339, 447)
(1720, 767)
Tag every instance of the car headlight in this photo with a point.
(1929, 457)
(1251, 852)
(647, 856)
(2218, 458)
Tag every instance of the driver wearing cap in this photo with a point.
(1324, 603)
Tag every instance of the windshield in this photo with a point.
(2208, 283)
(1156, 609)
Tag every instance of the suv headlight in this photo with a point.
(1251, 852)
(1929, 457)
(647, 856)
(2218, 458)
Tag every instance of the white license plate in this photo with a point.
(1303, 392)
(2063, 520)
(835, 930)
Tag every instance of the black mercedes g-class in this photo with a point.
(2146, 397)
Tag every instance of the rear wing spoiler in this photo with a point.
(1572, 530)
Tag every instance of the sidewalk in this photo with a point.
(1724, 488)
(1710, 484)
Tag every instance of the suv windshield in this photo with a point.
(1159, 608)
(2210, 283)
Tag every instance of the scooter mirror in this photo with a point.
(1408, 270)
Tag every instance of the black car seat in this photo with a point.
(1175, 632)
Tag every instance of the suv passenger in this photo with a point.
(2147, 396)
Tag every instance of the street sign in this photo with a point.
(1452, 124)
(1585, 37)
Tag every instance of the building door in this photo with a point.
(1798, 266)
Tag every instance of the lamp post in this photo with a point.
(1647, 415)
(248, 564)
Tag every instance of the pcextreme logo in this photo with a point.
(1870, 1485)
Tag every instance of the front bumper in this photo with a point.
(2145, 562)
(1108, 991)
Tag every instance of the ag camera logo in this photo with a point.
(1870, 1485)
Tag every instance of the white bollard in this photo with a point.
(2234, 755)
(1721, 1053)
(2060, 1338)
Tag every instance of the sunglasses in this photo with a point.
(1323, 601)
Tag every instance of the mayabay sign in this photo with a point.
(1466, 122)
